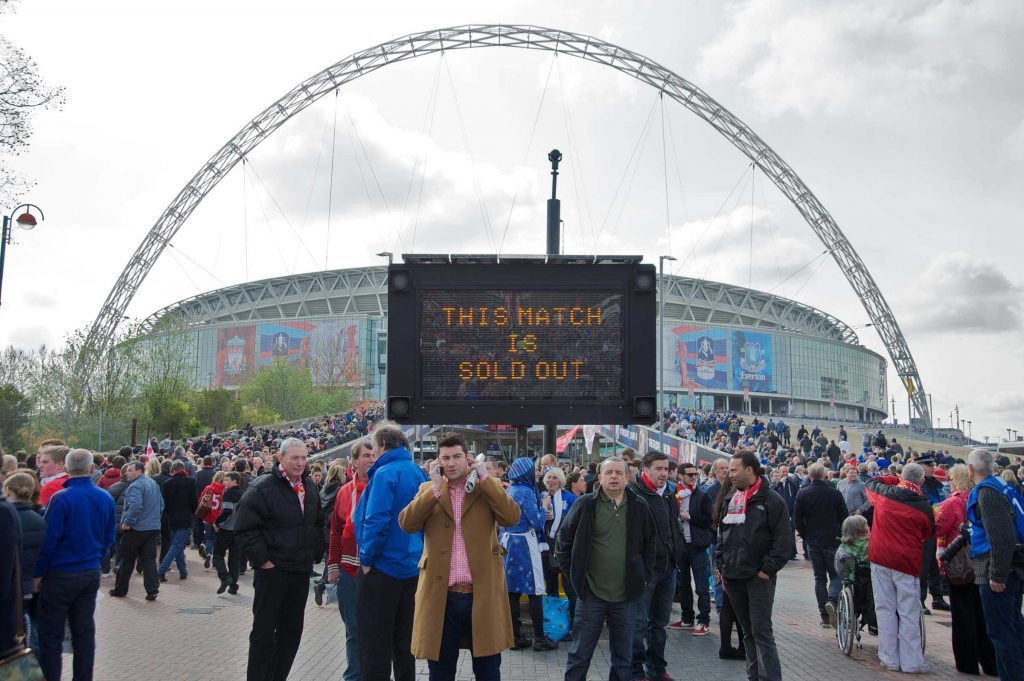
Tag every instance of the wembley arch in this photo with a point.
(469, 36)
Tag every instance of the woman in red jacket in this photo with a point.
(971, 644)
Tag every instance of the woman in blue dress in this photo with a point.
(524, 568)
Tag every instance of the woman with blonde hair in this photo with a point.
(971, 644)
(152, 468)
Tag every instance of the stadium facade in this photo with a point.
(724, 346)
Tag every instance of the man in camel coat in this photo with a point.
(461, 597)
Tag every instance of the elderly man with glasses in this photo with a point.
(695, 524)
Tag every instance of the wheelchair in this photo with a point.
(856, 610)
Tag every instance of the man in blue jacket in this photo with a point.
(389, 558)
(79, 533)
(143, 504)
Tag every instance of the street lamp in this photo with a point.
(658, 345)
(970, 435)
(26, 221)
(387, 254)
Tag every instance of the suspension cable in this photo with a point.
(575, 163)
(469, 152)
(255, 173)
(625, 172)
(526, 154)
(721, 236)
(330, 190)
(798, 270)
(693, 248)
(427, 132)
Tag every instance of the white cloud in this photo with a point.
(40, 300)
(1014, 143)
(719, 248)
(31, 336)
(962, 293)
(845, 56)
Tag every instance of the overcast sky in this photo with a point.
(906, 119)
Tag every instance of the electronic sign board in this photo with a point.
(521, 343)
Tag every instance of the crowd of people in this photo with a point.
(427, 558)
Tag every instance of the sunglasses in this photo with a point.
(689, 475)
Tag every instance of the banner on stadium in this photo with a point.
(752, 361)
(285, 341)
(235, 353)
(700, 359)
(334, 352)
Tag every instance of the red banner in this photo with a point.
(565, 438)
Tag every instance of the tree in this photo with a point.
(217, 409)
(288, 390)
(22, 94)
(14, 410)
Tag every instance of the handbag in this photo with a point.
(205, 505)
(556, 617)
(20, 663)
(959, 570)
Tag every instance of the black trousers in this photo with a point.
(141, 547)
(726, 621)
(931, 580)
(385, 627)
(536, 615)
(971, 645)
(277, 616)
(224, 543)
(165, 539)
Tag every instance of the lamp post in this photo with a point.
(1007, 434)
(26, 221)
(382, 367)
(661, 341)
(970, 435)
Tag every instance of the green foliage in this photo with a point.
(288, 390)
(217, 409)
(14, 411)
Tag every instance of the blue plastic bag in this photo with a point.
(556, 617)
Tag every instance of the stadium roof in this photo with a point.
(362, 290)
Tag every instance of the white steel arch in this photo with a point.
(525, 37)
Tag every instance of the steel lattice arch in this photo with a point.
(576, 45)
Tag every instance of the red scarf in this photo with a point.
(647, 481)
(911, 486)
(298, 488)
(736, 512)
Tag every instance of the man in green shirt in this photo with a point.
(607, 547)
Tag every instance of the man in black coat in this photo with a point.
(819, 514)
(755, 540)
(607, 547)
(695, 506)
(655, 608)
(279, 525)
(181, 498)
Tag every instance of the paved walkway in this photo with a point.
(192, 634)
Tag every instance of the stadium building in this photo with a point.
(724, 346)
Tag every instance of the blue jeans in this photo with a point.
(179, 537)
(458, 623)
(652, 614)
(68, 597)
(348, 604)
(1005, 626)
(693, 560)
(591, 614)
(209, 536)
(823, 562)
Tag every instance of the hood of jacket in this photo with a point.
(390, 456)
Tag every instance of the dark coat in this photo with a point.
(269, 525)
(819, 515)
(665, 511)
(763, 542)
(204, 477)
(701, 513)
(181, 498)
(33, 531)
(576, 537)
